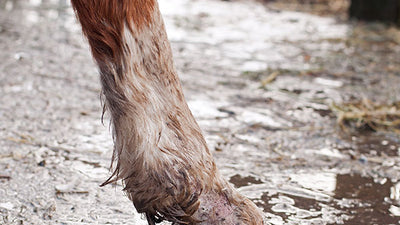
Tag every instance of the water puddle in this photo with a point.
(355, 200)
(239, 181)
(366, 201)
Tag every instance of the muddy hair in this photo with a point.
(159, 152)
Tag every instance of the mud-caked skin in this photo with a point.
(160, 153)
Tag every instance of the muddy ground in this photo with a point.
(276, 140)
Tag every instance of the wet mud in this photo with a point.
(260, 81)
(364, 200)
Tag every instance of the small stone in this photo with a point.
(42, 163)
(362, 159)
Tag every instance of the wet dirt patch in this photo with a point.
(239, 181)
(336, 8)
(372, 144)
(288, 204)
(357, 199)
(368, 202)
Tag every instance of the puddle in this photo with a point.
(366, 201)
(239, 181)
(285, 206)
(356, 200)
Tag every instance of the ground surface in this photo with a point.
(275, 139)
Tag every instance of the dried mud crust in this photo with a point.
(260, 83)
